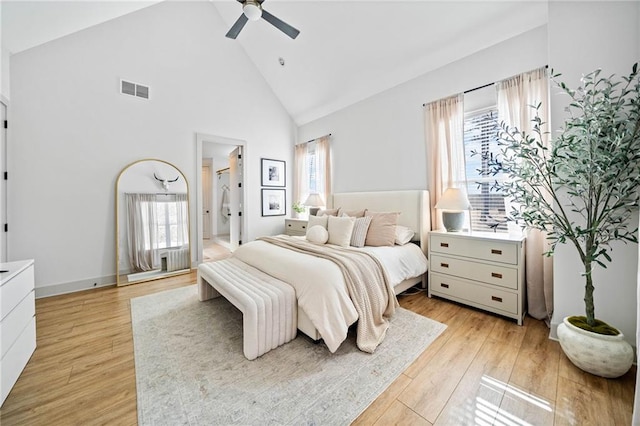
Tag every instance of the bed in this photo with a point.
(328, 317)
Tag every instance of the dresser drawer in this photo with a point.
(499, 275)
(473, 293)
(13, 291)
(481, 249)
(16, 358)
(14, 324)
(295, 227)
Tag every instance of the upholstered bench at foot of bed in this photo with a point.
(268, 305)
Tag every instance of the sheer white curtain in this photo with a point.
(182, 221)
(515, 97)
(444, 122)
(323, 167)
(142, 231)
(300, 176)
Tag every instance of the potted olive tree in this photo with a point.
(582, 191)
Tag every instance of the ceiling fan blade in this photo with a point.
(279, 24)
(237, 27)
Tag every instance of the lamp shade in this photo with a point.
(314, 200)
(454, 199)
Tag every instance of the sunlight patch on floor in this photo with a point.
(488, 413)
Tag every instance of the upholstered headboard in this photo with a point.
(412, 204)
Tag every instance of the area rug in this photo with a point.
(190, 368)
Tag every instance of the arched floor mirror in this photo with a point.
(152, 222)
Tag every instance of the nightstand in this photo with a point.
(295, 227)
(484, 270)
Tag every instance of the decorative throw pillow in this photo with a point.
(328, 212)
(360, 228)
(403, 235)
(317, 234)
(351, 213)
(382, 230)
(340, 230)
(317, 220)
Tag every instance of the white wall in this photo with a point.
(581, 39)
(4, 65)
(72, 132)
(378, 144)
(5, 60)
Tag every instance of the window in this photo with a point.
(480, 138)
(313, 169)
(170, 230)
(165, 219)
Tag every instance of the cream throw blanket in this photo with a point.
(366, 281)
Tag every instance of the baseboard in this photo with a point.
(553, 333)
(72, 287)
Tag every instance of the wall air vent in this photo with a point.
(134, 89)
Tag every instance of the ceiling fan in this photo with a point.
(252, 11)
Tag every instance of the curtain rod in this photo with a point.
(485, 85)
(328, 134)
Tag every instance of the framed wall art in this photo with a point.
(274, 202)
(273, 172)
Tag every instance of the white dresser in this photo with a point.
(295, 227)
(17, 321)
(485, 270)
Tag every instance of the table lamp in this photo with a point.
(314, 202)
(453, 203)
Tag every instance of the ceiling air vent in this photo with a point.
(134, 89)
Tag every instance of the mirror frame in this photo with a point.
(120, 282)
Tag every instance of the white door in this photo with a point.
(235, 197)
(3, 183)
(206, 201)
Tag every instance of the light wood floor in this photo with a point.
(482, 370)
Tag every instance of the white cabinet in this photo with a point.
(295, 227)
(481, 269)
(17, 321)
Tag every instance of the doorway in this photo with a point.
(220, 196)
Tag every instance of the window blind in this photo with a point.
(480, 139)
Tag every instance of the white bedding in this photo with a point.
(319, 284)
(400, 262)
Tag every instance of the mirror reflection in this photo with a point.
(152, 226)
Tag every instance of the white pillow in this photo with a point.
(317, 234)
(403, 235)
(317, 221)
(340, 230)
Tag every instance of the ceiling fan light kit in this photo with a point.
(252, 11)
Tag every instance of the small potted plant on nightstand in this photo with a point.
(582, 191)
(299, 208)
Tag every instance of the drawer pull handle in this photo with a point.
(496, 251)
(496, 275)
(496, 299)
(304, 227)
(444, 244)
(444, 285)
(289, 225)
(444, 265)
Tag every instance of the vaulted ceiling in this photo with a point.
(346, 51)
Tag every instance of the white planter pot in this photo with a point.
(605, 356)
